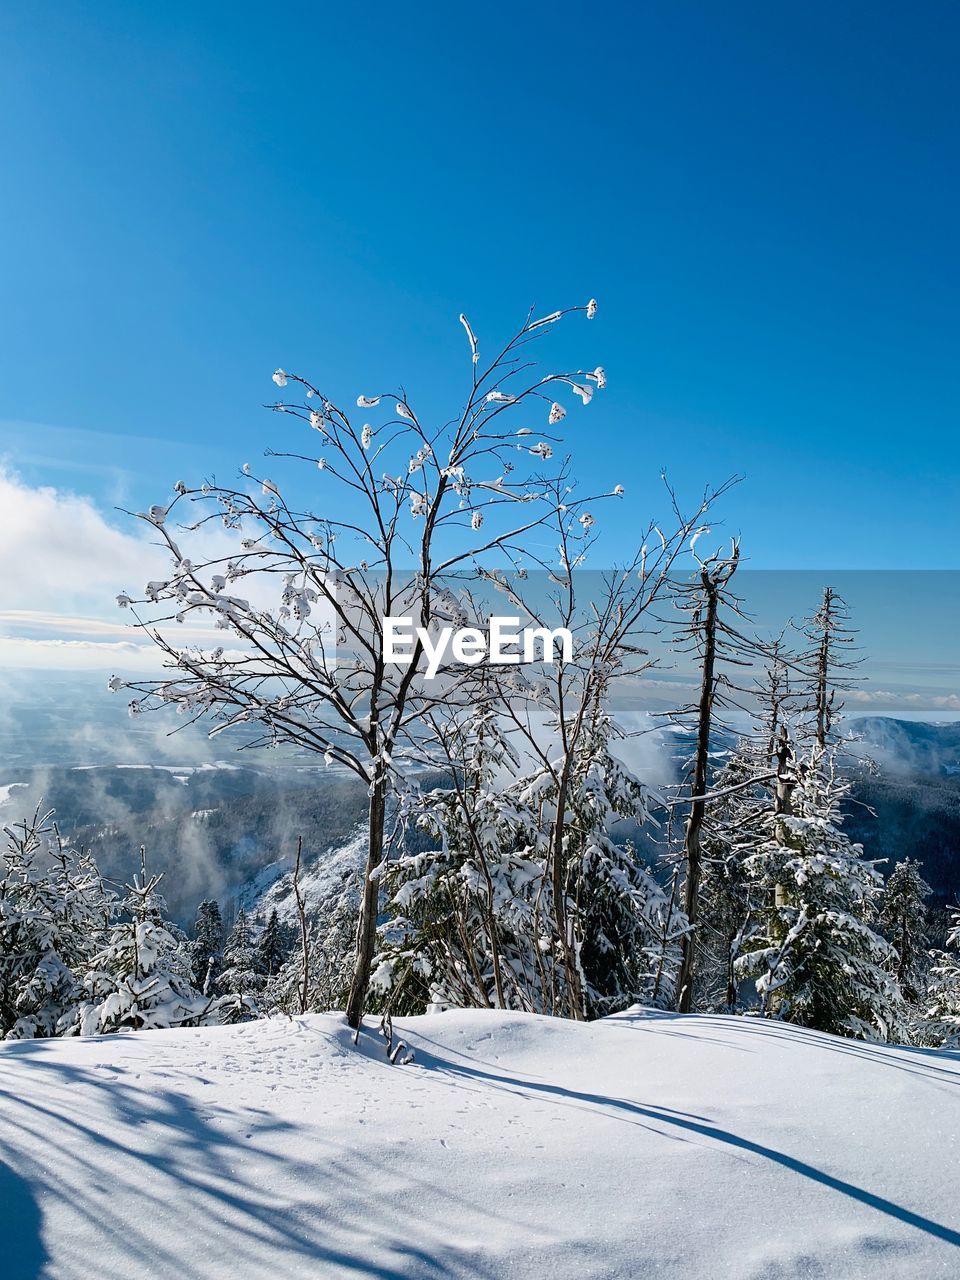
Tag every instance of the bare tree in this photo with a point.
(304, 991)
(702, 600)
(406, 505)
(829, 660)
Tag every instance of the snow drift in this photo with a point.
(640, 1145)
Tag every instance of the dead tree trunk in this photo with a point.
(822, 693)
(786, 778)
(830, 661)
(694, 827)
(786, 781)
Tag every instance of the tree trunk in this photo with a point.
(691, 837)
(665, 935)
(782, 805)
(304, 933)
(369, 904)
(731, 975)
(785, 780)
(822, 695)
(562, 924)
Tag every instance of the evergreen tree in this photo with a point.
(940, 1024)
(465, 920)
(142, 977)
(54, 911)
(815, 957)
(474, 922)
(273, 947)
(616, 907)
(903, 919)
(240, 981)
(206, 949)
(734, 828)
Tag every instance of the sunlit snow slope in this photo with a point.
(643, 1145)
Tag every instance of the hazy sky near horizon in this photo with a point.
(764, 200)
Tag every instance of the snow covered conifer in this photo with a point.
(617, 908)
(54, 911)
(330, 946)
(206, 949)
(272, 946)
(240, 981)
(734, 827)
(816, 958)
(903, 918)
(829, 661)
(467, 923)
(141, 978)
(473, 923)
(940, 1024)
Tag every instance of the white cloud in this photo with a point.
(24, 622)
(63, 564)
(77, 655)
(889, 698)
(61, 556)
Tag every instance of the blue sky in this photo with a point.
(764, 199)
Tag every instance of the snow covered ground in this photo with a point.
(515, 1146)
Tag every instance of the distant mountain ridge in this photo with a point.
(911, 808)
(912, 746)
(229, 829)
(209, 829)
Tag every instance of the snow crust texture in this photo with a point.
(643, 1145)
